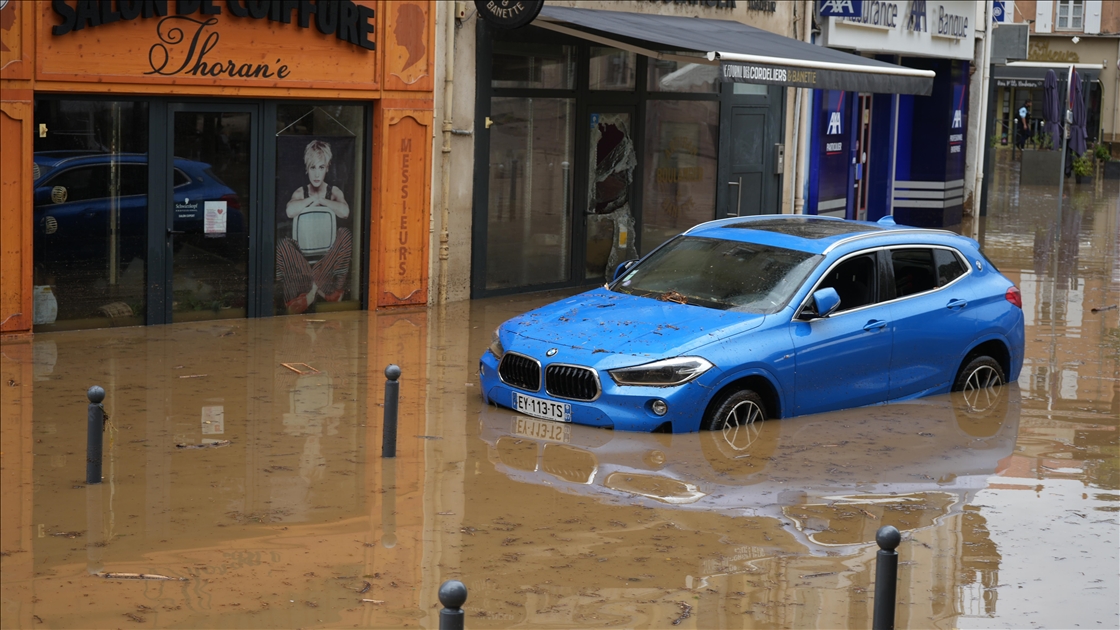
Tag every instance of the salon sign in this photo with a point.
(276, 43)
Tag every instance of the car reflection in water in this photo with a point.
(908, 464)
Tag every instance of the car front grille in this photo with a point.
(520, 371)
(571, 381)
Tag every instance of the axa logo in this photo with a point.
(917, 20)
(834, 127)
(956, 119)
(838, 8)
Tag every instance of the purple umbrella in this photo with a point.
(1050, 110)
(1077, 132)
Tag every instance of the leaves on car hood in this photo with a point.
(601, 321)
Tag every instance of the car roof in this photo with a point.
(807, 233)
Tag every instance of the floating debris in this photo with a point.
(138, 576)
(1100, 309)
(373, 601)
(300, 368)
(214, 444)
(192, 376)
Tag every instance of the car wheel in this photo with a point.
(978, 375)
(738, 418)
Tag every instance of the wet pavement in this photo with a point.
(240, 492)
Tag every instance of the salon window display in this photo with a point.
(318, 217)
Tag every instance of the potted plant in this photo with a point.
(1101, 152)
(1083, 168)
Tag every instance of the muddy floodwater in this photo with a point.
(243, 484)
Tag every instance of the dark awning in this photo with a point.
(1030, 74)
(745, 54)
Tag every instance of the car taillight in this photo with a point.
(1014, 296)
(231, 202)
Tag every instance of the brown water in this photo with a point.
(1009, 507)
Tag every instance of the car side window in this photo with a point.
(134, 180)
(181, 178)
(83, 183)
(854, 281)
(914, 271)
(949, 266)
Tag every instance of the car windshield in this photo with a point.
(720, 274)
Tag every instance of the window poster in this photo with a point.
(314, 239)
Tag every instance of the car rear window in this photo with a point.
(720, 274)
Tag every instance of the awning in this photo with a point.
(1030, 74)
(745, 54)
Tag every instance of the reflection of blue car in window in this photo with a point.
(78, 192)
(744, 319)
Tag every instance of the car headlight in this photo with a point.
(664, 373)
(496, 344)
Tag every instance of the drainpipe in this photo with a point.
(982, 132)
(1116, 101)
(445, 161)
(801, 135)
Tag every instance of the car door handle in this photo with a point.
(875, 325)
(956, 305)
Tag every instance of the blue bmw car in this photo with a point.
(745, 319)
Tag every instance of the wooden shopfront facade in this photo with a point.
(168, 161)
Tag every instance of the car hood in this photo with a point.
(618, 323)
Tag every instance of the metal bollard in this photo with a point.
(95, 424)
(389, 427)
(452, 594)
(886, 577)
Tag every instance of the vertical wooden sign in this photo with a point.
(409, 45)
(403, 217)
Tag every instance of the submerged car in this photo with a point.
(745, 319)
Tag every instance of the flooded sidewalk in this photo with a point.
(243, 484)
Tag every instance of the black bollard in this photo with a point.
(389, 428)
(95, 424)
(886, 577)
(452, 594)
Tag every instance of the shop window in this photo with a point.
(320, 179)
(612, 69)
(90, 213)
(665, 75)
(533, 65)
(682, 139)
(528, 222)
(1071, 14)
(750, 89)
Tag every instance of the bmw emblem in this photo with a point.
(551, 352)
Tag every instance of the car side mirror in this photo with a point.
(823, 303)
(826, 300)
(623, 268)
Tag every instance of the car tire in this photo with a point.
(981, 372)
(736, 411)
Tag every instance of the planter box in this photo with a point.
(1111, 170)
(1042, 168)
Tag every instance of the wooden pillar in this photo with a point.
(17, 43)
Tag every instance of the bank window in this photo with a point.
(1071, 14)
(679, 179)
(612, 69)
(533, 65)
(320, 183)
(90, 221)
(665, 75)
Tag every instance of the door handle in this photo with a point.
(875, 325)
(170, 232)
(956, 305)
(738, 197)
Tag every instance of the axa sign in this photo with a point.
(834, 126)
(841, 8)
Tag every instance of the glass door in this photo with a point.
(212, 188)
(609, 216)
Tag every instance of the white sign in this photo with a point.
(944, 29)
(215, 217)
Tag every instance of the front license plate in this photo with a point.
(540, 430)
(541, 408)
